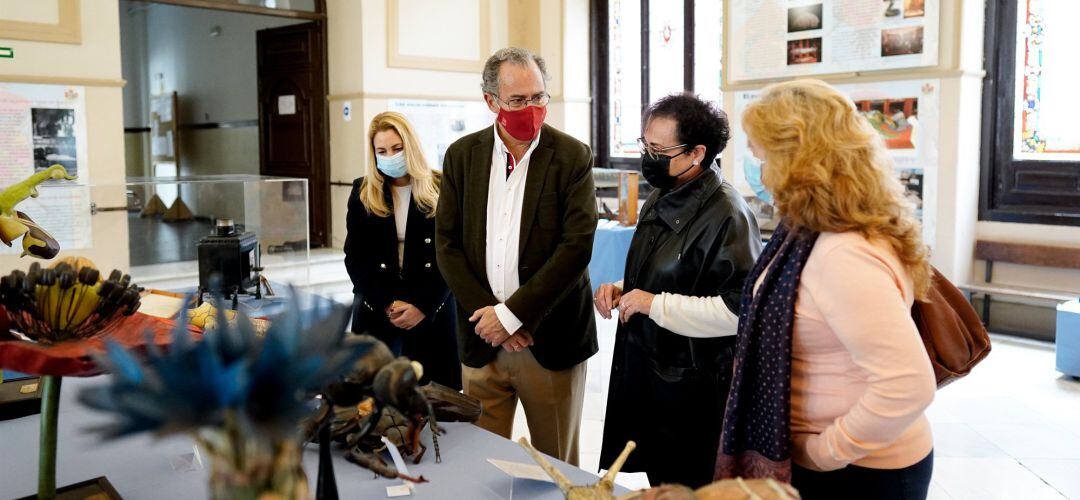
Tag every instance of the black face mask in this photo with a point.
(656, 171)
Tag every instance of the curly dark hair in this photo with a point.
(698, 122)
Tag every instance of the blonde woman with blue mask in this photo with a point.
(401, 298)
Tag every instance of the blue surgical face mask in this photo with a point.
(752, 170)
(392, 166)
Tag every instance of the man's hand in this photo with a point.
(405, 315)
(634, 302)
(488, 326)
(518, 341)
(607, 298)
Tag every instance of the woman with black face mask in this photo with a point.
(678, 302)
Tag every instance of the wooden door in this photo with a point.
(293, 131)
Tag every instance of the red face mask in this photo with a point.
(523, 124)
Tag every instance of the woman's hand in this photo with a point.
(607, 298)
(634, 302)
(404, 315)
(800, 450)
(669, 492)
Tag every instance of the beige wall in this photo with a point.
(95, 63)
(961, 72)
(360, 73)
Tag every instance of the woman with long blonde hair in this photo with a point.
(401, 298)
(831, 377)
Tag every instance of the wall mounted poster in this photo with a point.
(905, 114)
(783, 38)
(440, 123)
(40, 126)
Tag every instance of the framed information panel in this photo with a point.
(786, 38)
(905, 113)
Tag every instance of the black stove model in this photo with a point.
(229, 262)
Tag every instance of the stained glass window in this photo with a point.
(1030, 143)
(666, 52)
(664, 23)
(624, 42)
(1046, 77)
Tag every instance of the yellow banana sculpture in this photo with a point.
(64, 307)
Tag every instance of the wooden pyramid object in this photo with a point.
(153, 207)
(178, 212)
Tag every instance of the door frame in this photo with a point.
(323, 133)
(318, 15)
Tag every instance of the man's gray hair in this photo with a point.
(510, 54)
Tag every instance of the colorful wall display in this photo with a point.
(783, 38)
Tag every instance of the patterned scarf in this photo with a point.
(756, 437)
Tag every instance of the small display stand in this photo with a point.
(628, 198)
(20, 396)
(1068, 338)
(625, 183)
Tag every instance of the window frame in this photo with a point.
(600, 52)
(1002, 197)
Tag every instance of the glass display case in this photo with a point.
(163, 230)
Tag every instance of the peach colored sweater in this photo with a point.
(860, 376)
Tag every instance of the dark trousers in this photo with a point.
(433, 342)
(909, 483)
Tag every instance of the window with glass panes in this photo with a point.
(647, 49)
(1031, 142)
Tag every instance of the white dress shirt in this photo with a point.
(505, 198)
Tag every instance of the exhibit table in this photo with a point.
(610, 246)
(161, 469)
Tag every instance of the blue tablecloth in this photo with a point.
(610, 246)
(143, 467)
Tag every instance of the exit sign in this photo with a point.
(7, 53)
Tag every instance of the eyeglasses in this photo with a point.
(654, 153)
(541, 99)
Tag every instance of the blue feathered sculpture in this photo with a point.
(240, 396)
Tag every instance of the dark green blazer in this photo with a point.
(558, 220)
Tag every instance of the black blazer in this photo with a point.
(371, 258)
(557, 225)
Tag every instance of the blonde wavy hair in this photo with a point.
(828, 170)
(425, 182)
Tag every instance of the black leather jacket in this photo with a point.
(668, 391)
(699, 240)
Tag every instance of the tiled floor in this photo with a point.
(1009, 430)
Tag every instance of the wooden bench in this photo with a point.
(1018, 253)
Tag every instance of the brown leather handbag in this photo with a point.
(951, 330)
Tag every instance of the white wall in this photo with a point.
(168, 48)
(95, 64)
(564, 39)
(958, 227)
(133, 53)
(214, 75)
(360, 74)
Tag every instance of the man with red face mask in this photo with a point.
(514, 234)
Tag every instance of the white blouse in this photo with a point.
(401, 218)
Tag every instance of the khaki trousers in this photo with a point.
(552, 400)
